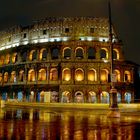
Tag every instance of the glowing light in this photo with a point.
(89, 38)
(52, 40)
(25, 42)
(67, 77)
(82, 38)
(91, 77)
(103, 77)
(58, 39)
(35, 41)
(79, 78)
(64, 38)
(44, 40)
(2, 48)
(7, 47)
(105, 60)
(15, 45)
(103, 39)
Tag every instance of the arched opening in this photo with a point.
(32, 96)
(66, 74)
(43, 54)
(103, 53)
(55, 53)
(21, 75)
(54, 96)
(127, 97)
(42, 96)
(53, 74)
(79, 98)
(14, 58)
(91, 53)
(5, 77)
(127, 76)
(7, 60)
(42, 75)
(115, 54)
(0, 77)
(118, 75)
(104, 97)
(24, 56)
(92, 97)
(65, 97)
(2, 60)
(104, 75)
(79, 52)
(31, 75)
(67, 53)
(118, 97)
(92, 75)
(20, 96)
(4, 96)
(13, 77)
(79, 74)
(38, 99)
(33, 55)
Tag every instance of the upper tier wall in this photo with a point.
(57, 29)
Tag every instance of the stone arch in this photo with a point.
(65, 97)
(55, 53)
(119, 97)
(7, 59)
(118, 75)
(21, 75)
(91, 53)
(6, 77)
(67, 53)
(116, 55)
(31, 75)
(128, 97)
(104, 97)
(33, 55)
(42, 75)
(104, 75)
(92, 75)
(54, 96)
(13, 76)
(92, 98)
(2, 59)
(104, 53)
(79, 74)
(127, 76)
(20, 96)
(66, 74)
(14, 57)
(53, 74)
(43, 54)
(1, 78)
(79, 53)
(79, 97)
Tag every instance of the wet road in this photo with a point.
(56, 124)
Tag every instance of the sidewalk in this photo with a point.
(70, 105)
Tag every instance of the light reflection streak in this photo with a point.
(64, 125)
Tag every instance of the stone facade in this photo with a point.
(68, 58)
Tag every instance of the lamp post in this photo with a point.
(113, 105)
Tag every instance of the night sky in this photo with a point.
(125, 16)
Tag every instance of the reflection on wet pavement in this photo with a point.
(42, 124)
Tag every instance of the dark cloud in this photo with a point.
(125, 16)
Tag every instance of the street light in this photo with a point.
(113, 105)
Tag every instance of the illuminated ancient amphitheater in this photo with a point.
(63, 60)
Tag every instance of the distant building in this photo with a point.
(65, 58)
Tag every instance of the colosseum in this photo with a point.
(65, 59)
